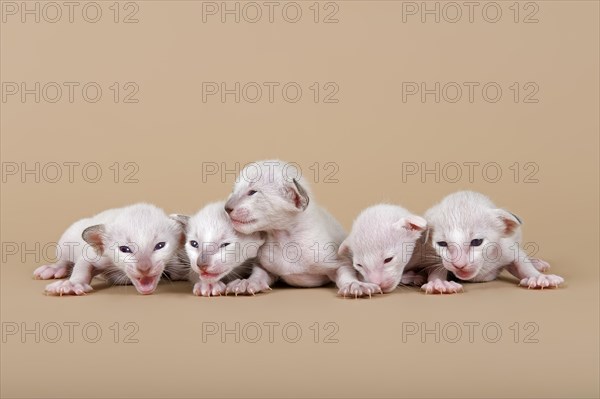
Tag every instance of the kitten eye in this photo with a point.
(252, 192)
(158, 246)
(477, 242)
(442, 243)
(388, 260)
(194, 244)
(125, 249)
(359, 265)
(224, 245)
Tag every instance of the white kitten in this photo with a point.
(477, 240)
(382, 242)
(134, 244)
(302, 238)
(219, 255)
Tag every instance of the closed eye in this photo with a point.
(477, 242)
(388, 260)
(224, 244)
(442, 243)
(359, 265)
(252, 192)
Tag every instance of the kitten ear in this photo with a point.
(411, 223)
(297, 194)
(181, 219)
(344, 248)
(182, 222)
(93, 235)
(510, 221)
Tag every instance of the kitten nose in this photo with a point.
(144, 267)
(459, 266)
(203, 267)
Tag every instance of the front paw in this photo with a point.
(542, 281)
(359, 288)
(47, 272)
(438, 286)
(203, 288)
(540, 265)
(68, 287)
(247, 286)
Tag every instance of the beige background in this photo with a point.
(368, 134)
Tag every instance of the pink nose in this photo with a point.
(144, 267)
(374, 278)
(459, 266)
(203, 267)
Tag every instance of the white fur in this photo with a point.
(465, 216)
(383, 232)
(302, 238)
(91, 247)
(222, 253)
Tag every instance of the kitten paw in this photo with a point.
(203, 288)
(359, 289)
(438, 286)
(247, 287)
(542, 281)
(68, 287)
(47, 272)
(540, 265)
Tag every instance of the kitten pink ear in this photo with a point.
(297, 195)
(344, 249)
(411, 223)
(510, 221)
(182, 222)
(93, 235)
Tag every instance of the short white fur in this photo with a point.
(221, 257)
(96, 245)
(464, 218)
(382, 242)
(302, 238)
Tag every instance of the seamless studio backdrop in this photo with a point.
(161, 101)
